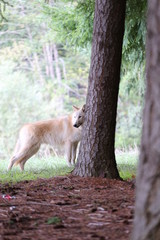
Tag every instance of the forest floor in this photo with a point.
(67, 208)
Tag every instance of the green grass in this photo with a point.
(127, 163)
(56, 166)
(34, 168)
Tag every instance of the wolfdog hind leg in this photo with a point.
(14, 158)
(11, 162)
(32, 150)
(22, 156)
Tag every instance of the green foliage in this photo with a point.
(130, 105)
(25, 39)
(54, 220)
(135, 31)
(72, 21)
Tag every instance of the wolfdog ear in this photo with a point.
(75, 108)
(83, 108)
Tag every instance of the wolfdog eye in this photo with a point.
(79, 116)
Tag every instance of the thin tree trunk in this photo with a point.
(96, 156)
(147, 209)
(38, 68)
(30, 62)
(58, 71)
(35, 56)
(48, 51)
(63, 68)
(46, 60)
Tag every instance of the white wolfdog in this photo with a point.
(65, 131)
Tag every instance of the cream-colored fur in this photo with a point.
(64, 131)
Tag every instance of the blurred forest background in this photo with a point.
(45, 52)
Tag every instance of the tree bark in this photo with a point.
(96, 155)
(147, 209)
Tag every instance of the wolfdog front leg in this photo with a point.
(68, 149)
(74, 149)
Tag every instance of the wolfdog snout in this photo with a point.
(75, 125)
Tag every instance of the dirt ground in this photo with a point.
(67, 208)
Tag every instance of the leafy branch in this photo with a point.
(2, 10)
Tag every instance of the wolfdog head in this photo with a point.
(78, 116)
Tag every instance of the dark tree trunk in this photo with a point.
(147, 210)
(96, 156)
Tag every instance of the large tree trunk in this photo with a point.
(96, 156)
(147, 210)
